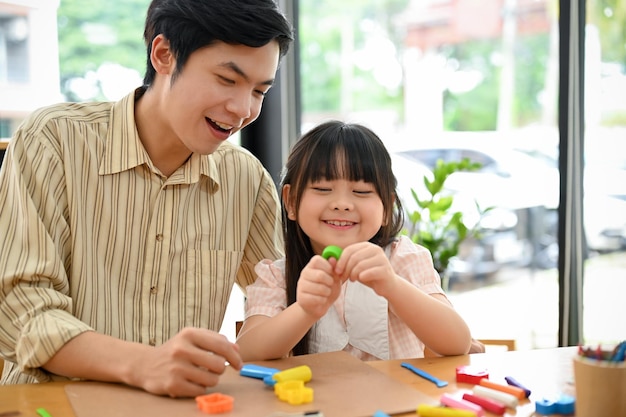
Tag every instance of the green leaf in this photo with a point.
(444, 203)
(415, 217)
(434, 225)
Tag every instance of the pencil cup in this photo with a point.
(600, 387)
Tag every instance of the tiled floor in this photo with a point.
(524, 306)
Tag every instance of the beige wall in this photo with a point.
(42, 85)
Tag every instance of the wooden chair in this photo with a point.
(490, 345)
(509, 344)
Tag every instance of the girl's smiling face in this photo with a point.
(338, 188)
(337, 212)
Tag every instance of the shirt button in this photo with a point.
(152, 342)
(159, 237)
(153, 290)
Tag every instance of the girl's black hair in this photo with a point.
(190, 25)
(335, 150)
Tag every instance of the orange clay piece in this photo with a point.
(215, 403)
(509, 389)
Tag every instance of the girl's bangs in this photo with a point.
(331, 159)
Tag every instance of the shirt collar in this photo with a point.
(123, 149)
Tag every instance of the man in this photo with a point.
(126, 224)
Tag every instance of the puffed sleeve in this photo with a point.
(415, 264)
(268, 295)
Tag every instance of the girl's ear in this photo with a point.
(289, 206)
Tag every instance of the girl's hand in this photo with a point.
(367, 263)
(318, 287)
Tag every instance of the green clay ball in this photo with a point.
(332, 251)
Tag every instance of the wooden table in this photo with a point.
(547, 372)
(3, 144)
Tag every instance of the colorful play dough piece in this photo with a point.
(332, 251)
(300, 373)
(215, 403)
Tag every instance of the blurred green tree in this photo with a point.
(610, 18)
(331, 35)
(98, 32)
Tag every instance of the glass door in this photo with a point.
(454, 79)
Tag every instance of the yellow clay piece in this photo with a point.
(299, 373)
(294, 392)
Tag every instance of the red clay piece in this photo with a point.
(470, 374)
(488, 404)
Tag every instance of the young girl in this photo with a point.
(382, 298)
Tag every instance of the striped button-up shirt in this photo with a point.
(95, 238)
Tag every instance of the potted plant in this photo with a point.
(435, 224)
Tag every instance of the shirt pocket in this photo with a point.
(210, 279)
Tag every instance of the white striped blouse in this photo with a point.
(94, 238)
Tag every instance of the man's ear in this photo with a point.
(288, 202)
(161, 55)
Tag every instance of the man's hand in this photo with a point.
(182, 367)
(186, 364)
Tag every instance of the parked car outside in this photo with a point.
(605, 192)
(520, 178)
(605, 222)
(604, 188)
(509, 178)
(523, 191)
(498, 244)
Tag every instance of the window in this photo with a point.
(14, 60)
(434, 78)
(604, 205)
(29, 76)
(445, 79)
(5, 128)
